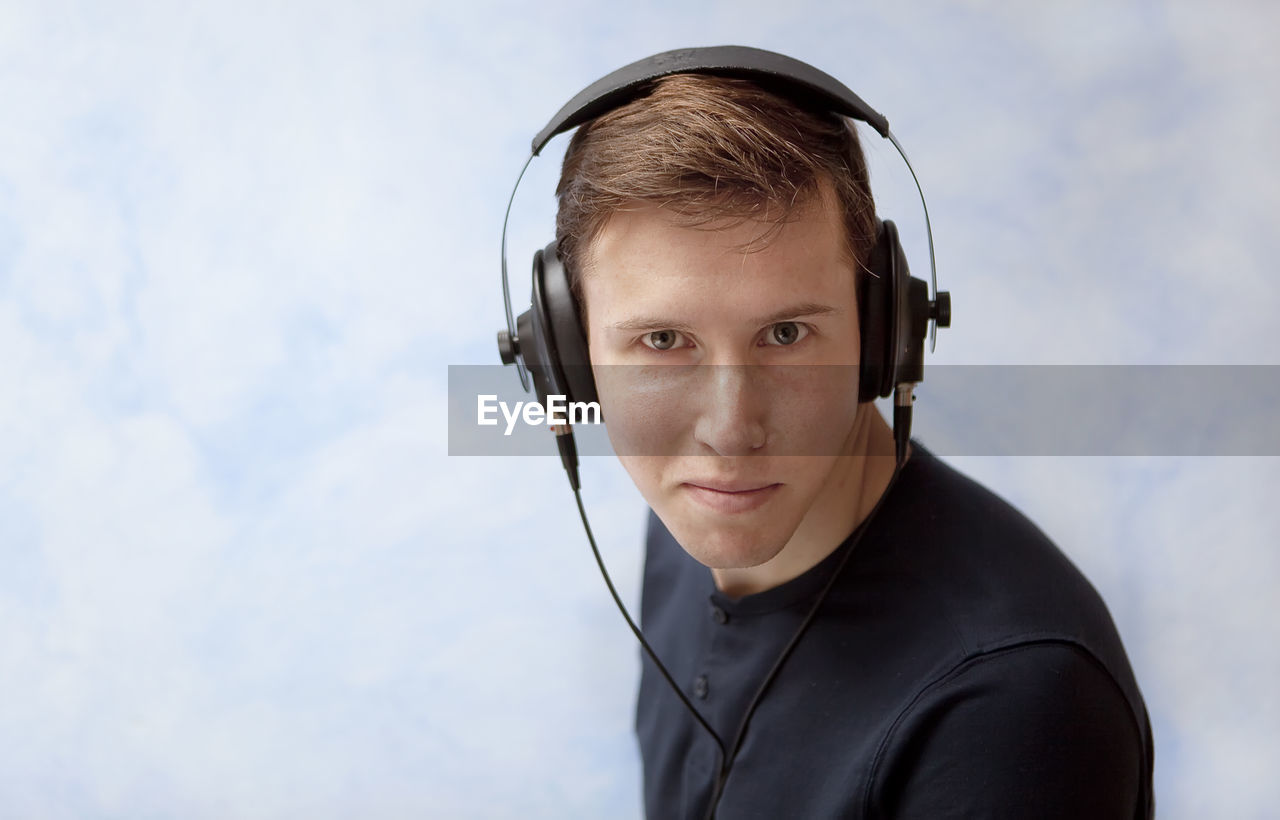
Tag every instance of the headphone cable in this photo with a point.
(653, 656)
(850, 546)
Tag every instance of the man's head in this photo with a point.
(716, 225)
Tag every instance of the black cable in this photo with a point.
(795, 639)
(639, 635)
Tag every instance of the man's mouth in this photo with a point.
(730, 497)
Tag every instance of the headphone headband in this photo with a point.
(795, 79)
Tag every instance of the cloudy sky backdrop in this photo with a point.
(240, 245)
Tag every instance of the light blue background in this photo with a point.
(239, 246)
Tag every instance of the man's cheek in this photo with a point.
(811, 408)
(648, 410)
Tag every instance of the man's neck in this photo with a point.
(855, 485)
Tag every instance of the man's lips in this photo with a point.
(729, 497)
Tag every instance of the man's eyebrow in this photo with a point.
(800, 311)
(651, 323)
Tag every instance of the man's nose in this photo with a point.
(732, 403)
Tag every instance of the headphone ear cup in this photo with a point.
(534, 342)
(893, 319)
(561, 325)
(876, 315)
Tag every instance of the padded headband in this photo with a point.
(794, 79)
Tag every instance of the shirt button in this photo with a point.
(719, 615)
(700, 687)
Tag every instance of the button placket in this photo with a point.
(710, 662)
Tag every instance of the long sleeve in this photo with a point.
(1039, 730)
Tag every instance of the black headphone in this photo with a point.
(894, 309)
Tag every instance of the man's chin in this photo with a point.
(729, 548)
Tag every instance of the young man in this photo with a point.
(861, 638)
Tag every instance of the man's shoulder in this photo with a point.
(989, 569)
(955, 567)
(963, 579)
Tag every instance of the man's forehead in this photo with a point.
(716, 231)
(645, 259)
(800, 310)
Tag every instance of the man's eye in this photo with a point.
(785, 333)
(662, 339)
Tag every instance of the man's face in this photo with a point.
(727, 377)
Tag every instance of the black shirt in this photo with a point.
(961, 666)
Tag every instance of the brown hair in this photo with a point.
(708, 149)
